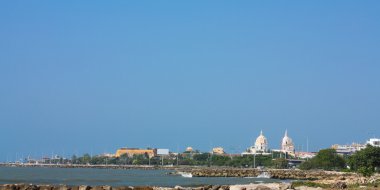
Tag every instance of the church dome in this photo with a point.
(287, 144)
(261, 144)
(261, 140)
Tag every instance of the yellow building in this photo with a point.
(135, 151)
(218, 150)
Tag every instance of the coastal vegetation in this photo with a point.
(326, 159)
(276, 160)
(365, 161)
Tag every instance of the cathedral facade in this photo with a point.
(287, 145)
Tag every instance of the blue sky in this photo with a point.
(93, 76)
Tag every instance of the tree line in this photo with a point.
(365, 161)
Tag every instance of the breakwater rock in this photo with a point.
(271, 186)
(339, 179)
(273, 173)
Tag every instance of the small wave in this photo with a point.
(187, 175)
(264, 175)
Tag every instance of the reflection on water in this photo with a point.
(93, 177)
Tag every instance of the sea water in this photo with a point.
(113, 177)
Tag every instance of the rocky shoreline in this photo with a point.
(316, 176)
(274, 173)
(267, 186)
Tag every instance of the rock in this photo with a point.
(8, 187)
(84, 187)
(61, 187)
(45, 187)
(122, 188)
(340, 185)
(284, 186)
(262, 187)
(307, 188)
(143, 188)
(224, 187)
(28, 187)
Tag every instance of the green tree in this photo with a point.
(280, 163)
(326, 159)
(365, 161)
(219, 160)
(86, 159)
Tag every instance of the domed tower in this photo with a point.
(261, 144)
(287, 145)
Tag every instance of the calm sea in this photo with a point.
(112, 177)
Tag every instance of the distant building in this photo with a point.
(108, 155)
(260, 146)
(347, 149)
(305, 155)
(374, 142)
(218, 150)
(354, 147)
(287, 145)
(130, 152)
(189, 149)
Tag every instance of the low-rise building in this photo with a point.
(130, 152)
(374, 142)
(305, 155)
(348, 149)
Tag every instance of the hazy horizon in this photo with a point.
(94, 76)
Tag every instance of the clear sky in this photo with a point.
(93, 76)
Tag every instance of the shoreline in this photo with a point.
(267, 186)
(314, 178)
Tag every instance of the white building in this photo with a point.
(260, 146)
(287, 145)
(374, 142)
(348, 149)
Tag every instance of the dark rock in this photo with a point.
(143, 188)
(340, 185)
(28, 187)
(122, 188)
(45, 187)
(224, 187)
(8, 187)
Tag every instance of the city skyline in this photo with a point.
(94, 76)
